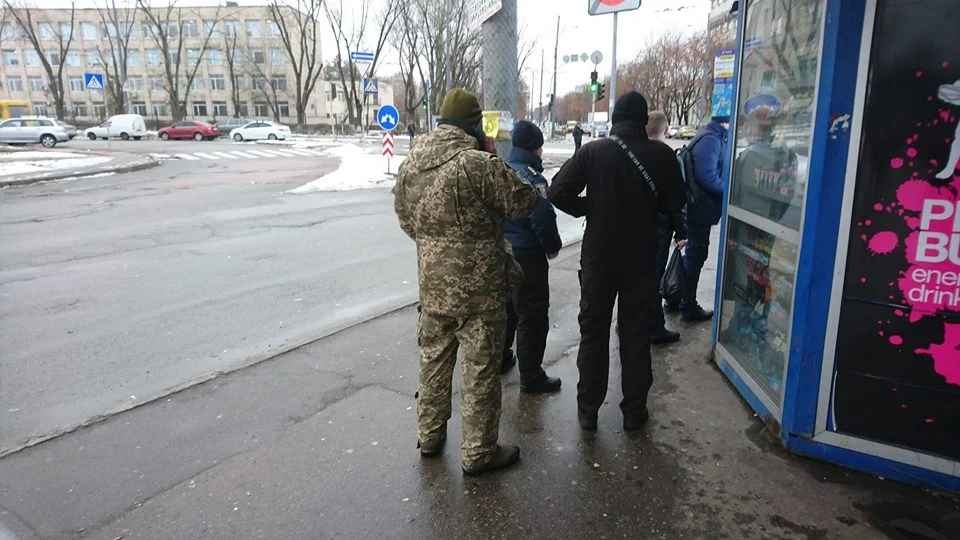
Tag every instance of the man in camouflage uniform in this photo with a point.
(451, 199)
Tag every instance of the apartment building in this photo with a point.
(262, 72)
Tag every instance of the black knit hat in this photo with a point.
(631, 106)
(527, 135)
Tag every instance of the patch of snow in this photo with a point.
(28, 167)
(558, 150)
(37, 155)
(358, 169)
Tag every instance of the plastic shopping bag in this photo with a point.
(671, 284)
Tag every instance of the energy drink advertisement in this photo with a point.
(897, 361)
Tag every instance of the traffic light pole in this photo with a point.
(613, 69)
(593, 109)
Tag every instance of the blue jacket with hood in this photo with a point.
(538, 232)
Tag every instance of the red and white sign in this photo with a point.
(602, 7)
(387, 144)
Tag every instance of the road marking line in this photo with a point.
(225, 155)
(284, 153)
(261, 153)
(187, 157)
(319, 153)
(272, 153)
(206, 156)
(300, 152)
(243, 155)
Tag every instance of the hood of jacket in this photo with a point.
(523, 156)
(439, 147)
(716, 128)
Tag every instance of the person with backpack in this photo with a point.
(533, 240)
(657, 126)
(703, 163)
(628, 179)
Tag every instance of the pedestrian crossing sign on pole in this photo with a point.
(370, 86)
(93, 81)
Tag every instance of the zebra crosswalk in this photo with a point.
(242, 154)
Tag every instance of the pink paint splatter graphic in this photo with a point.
(896, 340)
(883, 243)
(945, 354)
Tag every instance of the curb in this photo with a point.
(147, 163)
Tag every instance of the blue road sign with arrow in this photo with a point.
(388, 117)
(93, 81)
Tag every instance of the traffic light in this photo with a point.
(601, 92)
(594, 86)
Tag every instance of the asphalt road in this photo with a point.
(119, 289)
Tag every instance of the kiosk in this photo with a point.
(838, 304)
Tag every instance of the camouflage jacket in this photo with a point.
(452, 200)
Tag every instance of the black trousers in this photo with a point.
(695, 255)
(601, 285)
(664, 239)
(528, 316)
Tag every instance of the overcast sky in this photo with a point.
(537, 19)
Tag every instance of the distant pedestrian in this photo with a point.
(708, 151)
(657, 126)
(577, 137)
(452, 199)
(411, 131)
(533, 239)
(628, 179)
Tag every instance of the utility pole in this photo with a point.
(540, 114)
(613, 70)
(500, 83)
(553, 96)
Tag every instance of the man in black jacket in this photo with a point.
(534, 239)
(617, 253)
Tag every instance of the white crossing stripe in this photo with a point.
(187, 157)
(285, 153)
(206, 156)
(301, 152)
(225, 155)
(315, 152)
(272, 153)
(234, 154)
(261, 153)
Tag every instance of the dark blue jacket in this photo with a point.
(709, 150)
(538, 232)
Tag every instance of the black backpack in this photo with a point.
(685, 157)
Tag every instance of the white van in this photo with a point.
(125, 126)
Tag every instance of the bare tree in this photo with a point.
(269, 89)
(524, 50)
(169, 28)
(118, 23)
(300, 34)
(352, 39)
(231, 52)
(407, 43)
(38, 31)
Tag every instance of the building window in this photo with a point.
(279, 83)
(99, 110)
(40, 109)
(261, 109)
(80, 109)
(46, 30)
(220, 108)
(73, 59)
(193, 56)
(89, 32)
(10, 58)
(153, 57)
(198, 84)
(239, 82)
(284, 108)
(231, 27)
(274, 27)
(333, 90)
(53, 57)
(189, 29)
(256, 82)
(200, 108)
(277, 57)
(15, 84)
(160, 109)
(214, 58)
(217, 82)
(174, 57)
(242, 110)
(31, 58)
(134, 84)
(209, 27)
(156, 83)
(93, 58)
(138, 107)
(253, 27)
(76, 84)
(134, 59)
(258, 57)
(37, 84)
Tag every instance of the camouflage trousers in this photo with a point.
(480, 338)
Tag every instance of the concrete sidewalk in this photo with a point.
(319, 443)
(116, 163)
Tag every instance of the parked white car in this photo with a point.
(33, 129)
(124, 126)
(260, 129)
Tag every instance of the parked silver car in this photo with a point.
(31, 130)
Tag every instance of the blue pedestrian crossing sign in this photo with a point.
(370, 86)
(388, 117)
(93, 81)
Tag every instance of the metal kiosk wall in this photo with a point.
(839, 291)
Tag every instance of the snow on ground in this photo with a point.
(558, 150)
(37, 155)
(8, 167)
(358, 169)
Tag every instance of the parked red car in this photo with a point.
(189, 129)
